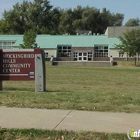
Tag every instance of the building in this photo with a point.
(74, 47)
(116, 31)
(68, 47)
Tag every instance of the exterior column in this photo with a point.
(111, 60)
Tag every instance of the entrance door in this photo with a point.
(82, 56)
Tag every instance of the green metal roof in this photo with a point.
(51, 41)
(10, 37)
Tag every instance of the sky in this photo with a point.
(130, 8)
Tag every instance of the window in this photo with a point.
(89, 56)
(101, 51)
(64, 51)
(82, 56)
(6, 45)
(46, 54)
(75, 56)
(121, 54)
(0, 45)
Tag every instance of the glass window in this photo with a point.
(121, 54)
(82, 56)
(6, 45)
(89, 56)
(64, 48)
(0, 43)
(101, 51)
(60, 47)
(85, 58)
(64, 51)
(89, 59)
(46, 54)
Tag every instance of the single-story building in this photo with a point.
(73, 47)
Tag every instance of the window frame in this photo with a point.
(101, 51)
(64, 50)
(84, 56)
(6, 44)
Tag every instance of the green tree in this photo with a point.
(106, 20)
(29, 40)
(66, 21)
(118, 19)
(91, 19)
(77, 22)
(16, 19)
(28, 15)
(132, 22)
(130, 43)
(40, 16)
(55, 15)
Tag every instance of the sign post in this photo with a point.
(0, 85)
(40, 73)
(23, 65)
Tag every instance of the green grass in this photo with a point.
(33, 134)
(128, 64)
(114, 89)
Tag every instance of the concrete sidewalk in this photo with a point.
(68, 120)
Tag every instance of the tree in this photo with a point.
(29, 40)
(28, 15)
(91, 19)
(40, 16)
(66, 21)
(16, 20)
(132, 22)
(77, 22)
(118, 19)
(55, 15)
(130, 43)
(107, 19)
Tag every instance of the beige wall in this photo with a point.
(51, 52)
(118, 31)
(112, 52)
(115, 53)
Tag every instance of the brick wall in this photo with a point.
(82, 49)
(101, 59)
(63, 59)
(81, 64)
(123, 58)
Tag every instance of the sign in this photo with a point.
(22, 64)
(133, 134)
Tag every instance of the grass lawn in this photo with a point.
(33, 134)
(115, 89)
